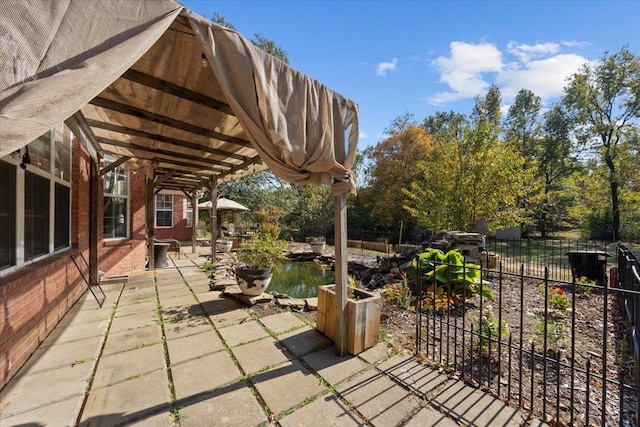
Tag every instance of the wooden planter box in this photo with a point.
(363, 324)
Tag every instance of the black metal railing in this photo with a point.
(538, 255)
(628, 280)
(556, 348)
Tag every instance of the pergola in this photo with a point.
(164, 90)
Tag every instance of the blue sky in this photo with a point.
(420, 57)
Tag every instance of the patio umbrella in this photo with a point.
(224, 203)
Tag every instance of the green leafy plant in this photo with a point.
(585, 285)
(449, 276)
(490, 330)
(208, 266)
(556, 329)
(556, 297)
(262, 251)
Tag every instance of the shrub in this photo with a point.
(490, 331)
(399, 293)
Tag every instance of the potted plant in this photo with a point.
(318, 245)
(222, 244)
(256, 260)
(363, 308)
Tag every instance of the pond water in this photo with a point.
(300, 279)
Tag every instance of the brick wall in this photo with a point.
(35, 298)
(118, 257)
(179, 231)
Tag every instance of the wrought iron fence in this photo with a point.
(628, 281)
(556, 348)
(539, 254)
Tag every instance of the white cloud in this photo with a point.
(545, 77)
(527, 52)
(362, 135)
(463, 71)
(470, 68)
(383, 67)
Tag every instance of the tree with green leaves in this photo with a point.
(603, 100)
(393, 167)
(556, 160)
(468, 173)
(259, 40)
(522, 125)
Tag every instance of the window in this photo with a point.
(164, 210)
(7, 214)
(189, 213)
(35, 199)
(61, 227)
(116, 202)
(36, 215)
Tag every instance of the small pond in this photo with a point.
(300, 279)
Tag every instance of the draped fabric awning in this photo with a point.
(165, 88)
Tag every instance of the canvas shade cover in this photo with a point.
(180, 96)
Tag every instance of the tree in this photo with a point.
(467, 175)
(522, 125)
(393, 168)
(259, 40)
(270, 47)
(556, 161)
(488, 109)
(604, 100)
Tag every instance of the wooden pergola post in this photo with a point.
(342, 286)
(150, 214)
(195, 220)
(214, 216)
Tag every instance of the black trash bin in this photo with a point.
(590, 264)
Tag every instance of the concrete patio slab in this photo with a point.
(142, 307)
(406, 370)
(193, 346)
(282, 322)
(177, 300)
(26, 392)
(64, 354)
(304, 340)
(259, 355)
(286, 386)
(326, 410)
(220, 305)
(471, 406)
(134, 321)
(131, 338)
(380, 400)
(375, 354)
(56, 414)
(242, 333)
(139, 401)
(77, 315)
(191, 326)
(333, 368)
(135, 296)
(204, 374)
(207, 295)
(230, 406)
(114, 368)
(430, 417)
(228, 318)
(76, 332)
